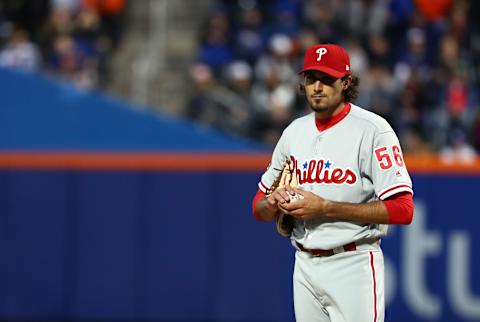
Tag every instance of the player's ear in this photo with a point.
(301, 88)
(346, 81)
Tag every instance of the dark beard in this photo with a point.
(332, 105)
(318, 108)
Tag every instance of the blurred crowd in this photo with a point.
(418, 63)
(418, 60)
(69, 39)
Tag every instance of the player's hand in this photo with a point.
(310, 207)
(280, 196)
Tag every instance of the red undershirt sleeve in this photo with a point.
(400, 208)
(259, 195)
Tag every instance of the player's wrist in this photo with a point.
(270, 209)
(328, 207)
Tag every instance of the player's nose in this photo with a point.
(318, 86)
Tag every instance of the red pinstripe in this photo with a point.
(374, 288)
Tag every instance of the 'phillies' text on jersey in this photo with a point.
(321, 171)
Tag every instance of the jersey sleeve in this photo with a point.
(388, 170)
(280, 154)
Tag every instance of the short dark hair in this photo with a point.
(349, 95)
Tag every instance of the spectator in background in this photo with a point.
(239, 78)
(379, 51)
(410, 101)
(70, 63)
(112, 19)
(200, 106)
(278, 60)
(59, 21)
(274, 101)
(285, 18)
(20, 52)
(215, 49)
(71, 6)
(458, 108)
(366, 18)
(273, 93)
(72, 39)
(378, 92)
(93, 42)
(87, 31)
(216, 105)
(358, 56)
(321, 17)
(413, 142)
(250, 36)
(458, 22)
(457, 149)
(414, 59)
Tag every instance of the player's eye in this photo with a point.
(311, 78)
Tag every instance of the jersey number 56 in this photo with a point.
(384, 157)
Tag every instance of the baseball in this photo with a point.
(295, 197)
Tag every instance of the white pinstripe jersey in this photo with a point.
(357, 160)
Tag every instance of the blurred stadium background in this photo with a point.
(133, 134)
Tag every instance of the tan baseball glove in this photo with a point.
(284, 222)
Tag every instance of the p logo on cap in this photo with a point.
(321, 51)
(328, 58)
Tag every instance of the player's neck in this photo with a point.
(325, 123)
(324, 115)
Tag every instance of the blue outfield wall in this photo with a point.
(183, 246)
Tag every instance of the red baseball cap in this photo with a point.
(328, 58)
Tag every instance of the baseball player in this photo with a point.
(352, 184)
